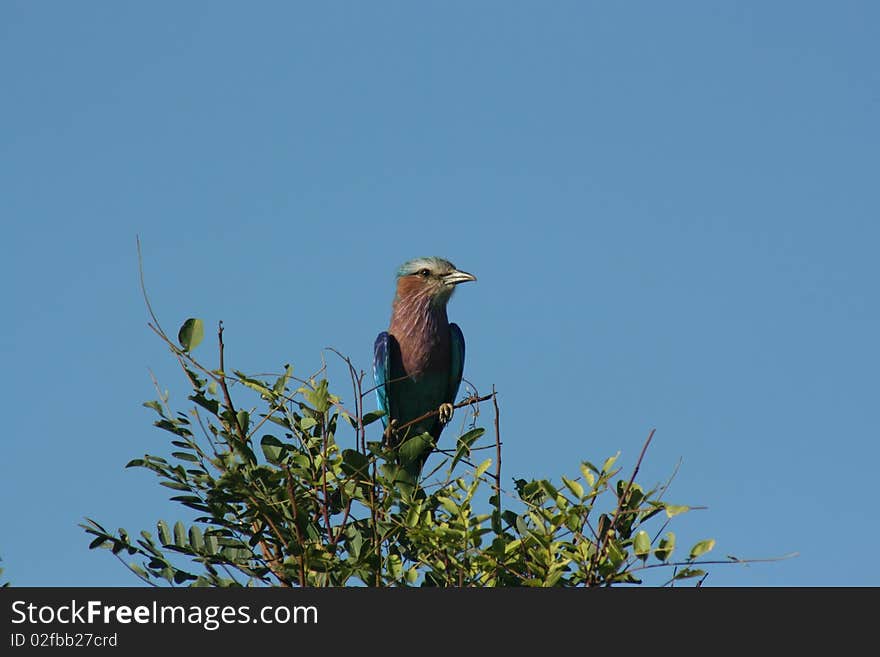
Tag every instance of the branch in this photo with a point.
(473, 399)
(602, 545)
(239, 430)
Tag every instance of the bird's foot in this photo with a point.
(446, 411)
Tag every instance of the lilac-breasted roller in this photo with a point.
(418, 361)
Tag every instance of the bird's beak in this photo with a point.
(455, 277)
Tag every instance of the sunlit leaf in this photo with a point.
(191, 334)
(282, 380)
(163, 532)
(675, 509)
(574, 487)
(609, 462)
(685, 573)
(665, 547)
(642, 544)
(482, 468)
(702, 547)
(589, 477)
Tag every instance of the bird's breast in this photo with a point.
(422, 333)
(420, 355)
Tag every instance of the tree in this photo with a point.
(283, 495)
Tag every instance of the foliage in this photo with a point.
(279, 499)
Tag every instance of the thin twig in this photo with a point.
(356, 384)
(239, 430)
(461, 404)
(299, 539)
(144, 287)
(273, 561)
(497, 452)
(602, 545)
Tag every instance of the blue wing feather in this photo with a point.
(456, 368)
(381, 365)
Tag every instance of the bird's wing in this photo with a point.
(456, 368)
(382, 372)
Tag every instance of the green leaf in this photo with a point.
(181, 576)
(675, 509)
(482, 468)
(371, 417)
(163, 532)
(529, 491)
(244, 420)
(197, 381)
(702, 547)
(414, 448)
(282, 380)
(463, 447)
(642, 544)
(99, 542)
(588, 474)
(397, 476)
(665, 547)
(318, 397)
(179, 534)
(273, 449)
(138, 570)
(174, 485)
(684, 573)
(185, 456)
(253, 384)
(615, 553)
(211, 405)
(496, 522)
(574, 487)
(395, 566)
(548, 488)
(191, 334)
(195, 538)
(156, 406)
(355, 464)
(246, 453)
(449, 505)
(609, 462)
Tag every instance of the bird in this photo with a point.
(418, 362)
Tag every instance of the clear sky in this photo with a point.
(672, 209)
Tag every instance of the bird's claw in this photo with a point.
(446, 411)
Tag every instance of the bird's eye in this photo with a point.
(424, 273)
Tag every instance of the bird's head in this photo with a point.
(432, 277)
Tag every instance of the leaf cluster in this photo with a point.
(286, 489)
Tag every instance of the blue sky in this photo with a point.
(672, 210)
